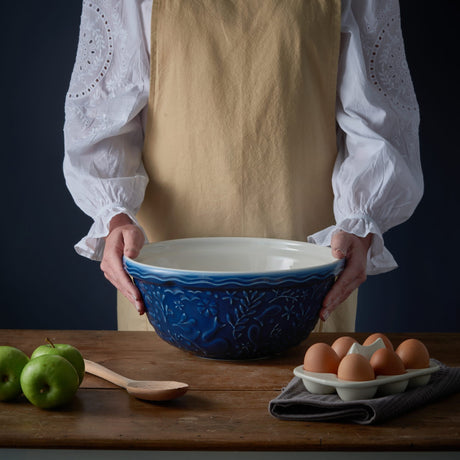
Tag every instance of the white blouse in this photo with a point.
(377, 179)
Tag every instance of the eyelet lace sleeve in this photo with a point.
(104, 111)
(95, 49)
(377, 178)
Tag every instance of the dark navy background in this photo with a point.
(45, 284)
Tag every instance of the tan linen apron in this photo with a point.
(241, 132)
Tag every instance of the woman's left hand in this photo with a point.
(353, 249)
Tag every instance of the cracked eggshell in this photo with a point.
(373, 337)
(367, 350)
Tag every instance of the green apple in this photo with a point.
(12, 361)
(66, 351)
(49, 381)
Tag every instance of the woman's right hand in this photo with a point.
(127, 239)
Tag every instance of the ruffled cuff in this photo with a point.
(92, 245)
(379, 259)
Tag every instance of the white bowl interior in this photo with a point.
(234, 255)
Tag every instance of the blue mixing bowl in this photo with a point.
(233, 298)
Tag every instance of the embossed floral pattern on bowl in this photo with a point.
(233, 298)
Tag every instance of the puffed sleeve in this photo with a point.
(377, 179)
(104, 110)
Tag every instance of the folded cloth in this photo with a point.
(296, 403)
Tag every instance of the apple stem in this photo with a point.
(50, 342)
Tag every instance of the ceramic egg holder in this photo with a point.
(325, 383)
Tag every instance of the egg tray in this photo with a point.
(322, 383)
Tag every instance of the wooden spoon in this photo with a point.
(149, 390)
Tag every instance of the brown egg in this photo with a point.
(356, 368)
(387, 362)
(373, 337)
(320, 357)
(342, 345)
(413, 354)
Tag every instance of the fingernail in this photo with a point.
(137, 303)
(134, 297)
(326, 315)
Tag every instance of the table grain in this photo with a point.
(225, 409)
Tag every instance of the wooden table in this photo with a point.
(224, 410)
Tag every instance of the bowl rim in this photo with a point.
(334, 265)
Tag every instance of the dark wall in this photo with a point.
(44, 284)
(423, 294)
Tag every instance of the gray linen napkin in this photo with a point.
(296, 403)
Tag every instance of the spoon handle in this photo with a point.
(106, 374)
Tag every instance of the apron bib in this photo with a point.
(241, 131)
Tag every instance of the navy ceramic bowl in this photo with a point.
(233, 298)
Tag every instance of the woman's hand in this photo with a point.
(127, 239)
(353, 249)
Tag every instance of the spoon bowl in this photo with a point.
(151, 390)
